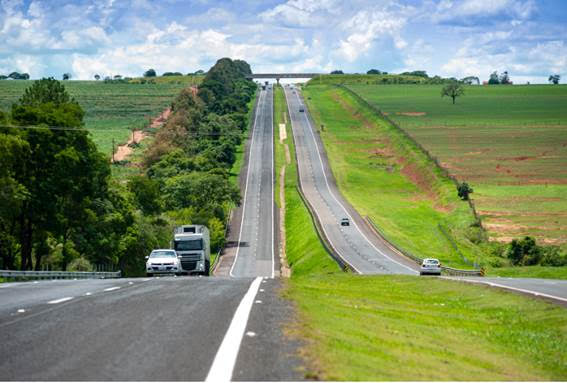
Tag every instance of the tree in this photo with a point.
(117, 77)
(554, 79)
(463, 191)
(524, 252)
(373, 71)
(453, 90)
(418, 73)
(337, 71)
(97, 77)
(66, 76)
(146, 194)
(150, 73)
(3, 77)
(505, 79)
(470, 80)
(494, 79)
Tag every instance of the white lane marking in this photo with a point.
(35, 282)
(131, 283)
(246, 188)
(261, 290)
(341, 205)
(21, 311)
(112, 288)
(535, 293)
(223, 364)
(251, 334)
(87, 294)
(258, 301)
(60, 300)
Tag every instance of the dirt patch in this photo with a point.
(124, 151)
(411, 114)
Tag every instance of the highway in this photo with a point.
(254, 252)
(141, 329)
(227, 327)
(355, 244)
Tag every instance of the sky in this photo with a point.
(449, 38)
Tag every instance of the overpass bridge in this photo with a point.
(277, 76)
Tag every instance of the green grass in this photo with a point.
(508, 142)
(383, 176)
(111, 110)
(411, 328)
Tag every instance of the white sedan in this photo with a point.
(430, 266)
(162, 261)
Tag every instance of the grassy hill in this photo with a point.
(508, 142)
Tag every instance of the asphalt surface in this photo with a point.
(255, 246)
(355, 244)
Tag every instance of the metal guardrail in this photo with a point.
(415, 258)
(59, 274)
(321, 234)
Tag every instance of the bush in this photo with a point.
(524, 252)
(553, 256)
(80, 264)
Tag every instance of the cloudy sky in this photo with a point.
(527, 38)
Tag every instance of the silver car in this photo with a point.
(162, 261)
(430, 266)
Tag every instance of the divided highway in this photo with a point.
(355, 244)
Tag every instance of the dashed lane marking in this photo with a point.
(60, 300)
(112, 288)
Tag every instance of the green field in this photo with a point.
(111, 109)
(509, 143)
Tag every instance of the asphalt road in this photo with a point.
(255, 246)
(139, 329)
(355, 243)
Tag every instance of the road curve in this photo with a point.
(255, 246)
(356, 245)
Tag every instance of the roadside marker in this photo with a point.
(225, 360)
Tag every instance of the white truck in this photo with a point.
(193, 246)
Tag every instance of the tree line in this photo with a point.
(59, 205)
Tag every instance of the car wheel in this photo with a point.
(149, 275)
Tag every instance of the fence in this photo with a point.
(12, 274)
(420, 147)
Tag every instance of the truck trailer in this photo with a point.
(193, 246)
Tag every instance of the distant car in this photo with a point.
(430, 266)
(345, 222)
(163, 261)
(301, 110)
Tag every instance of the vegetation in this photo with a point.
(112, 109)
(513, 160)
(380, 79)
(70, 214)
(453, 90)
(554, 79)
(150, 73)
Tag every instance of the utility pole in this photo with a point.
(113, 150)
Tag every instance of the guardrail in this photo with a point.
(415, 258)
(321, 234)
(59, 274)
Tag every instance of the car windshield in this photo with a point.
(162, 254)
(431, 261)
(192, 244)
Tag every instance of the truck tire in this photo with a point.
(207, 271)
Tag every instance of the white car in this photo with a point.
(430, 266)
(162, 261)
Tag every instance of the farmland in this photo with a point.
(111, 109)
(509, 143)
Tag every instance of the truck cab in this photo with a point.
(193, 246)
